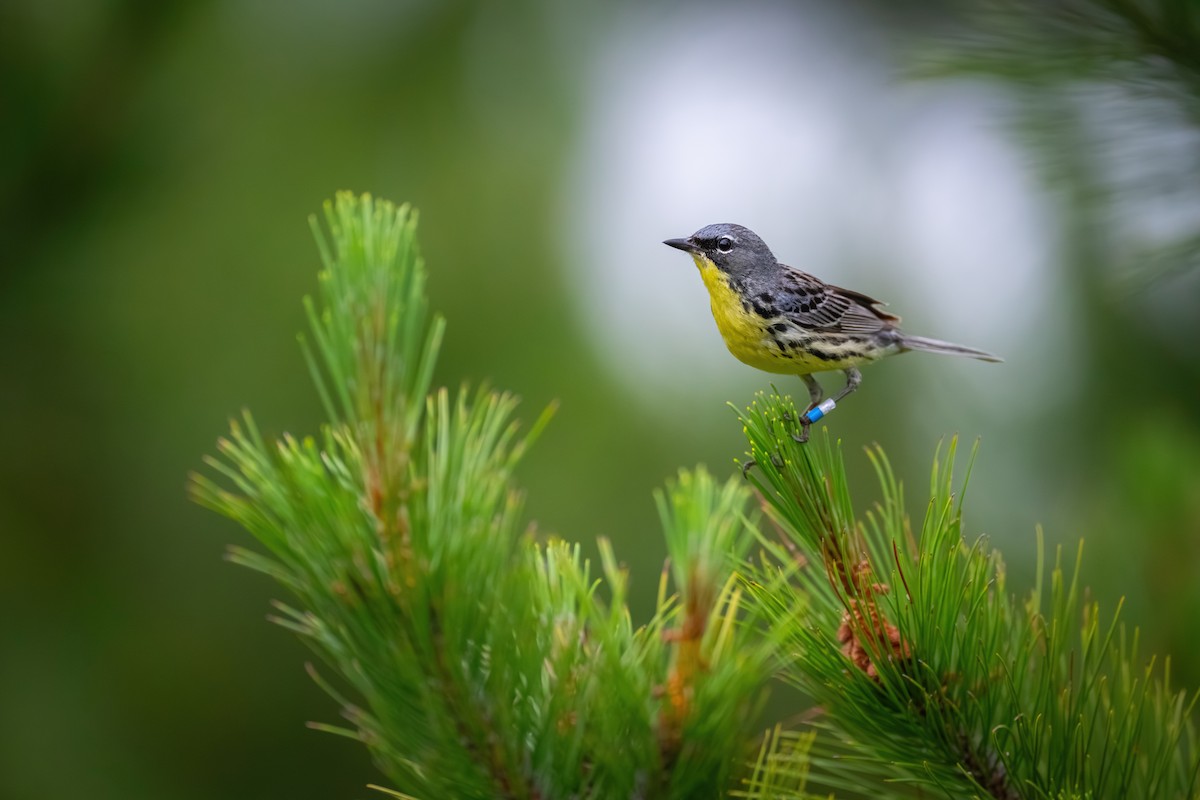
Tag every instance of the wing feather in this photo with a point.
(812, 303)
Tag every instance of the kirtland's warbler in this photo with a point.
(782, 320)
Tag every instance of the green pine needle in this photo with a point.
(920, 657)
(477, 661)
(474, 661)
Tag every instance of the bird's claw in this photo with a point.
(802, 437)
(776, 461)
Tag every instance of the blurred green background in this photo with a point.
(158, 164)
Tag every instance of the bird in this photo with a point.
(785, 321)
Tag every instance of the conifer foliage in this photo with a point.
(471, 659)
(475, 661)
(927, 666)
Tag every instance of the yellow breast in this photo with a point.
(745, 333)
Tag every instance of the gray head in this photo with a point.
(734, 249)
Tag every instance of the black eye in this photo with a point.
(724, 244)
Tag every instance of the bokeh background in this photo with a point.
(159, 160)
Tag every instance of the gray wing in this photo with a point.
(812, 303)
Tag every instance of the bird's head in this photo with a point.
(733, 249)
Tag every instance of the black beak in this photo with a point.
(682, 244)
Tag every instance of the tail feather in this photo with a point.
(938, 346)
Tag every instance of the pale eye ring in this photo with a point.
(725, 244)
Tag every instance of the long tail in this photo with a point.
(938, 346)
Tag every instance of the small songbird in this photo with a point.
(779, 319)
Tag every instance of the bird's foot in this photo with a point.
(776, 461)
(802, 437)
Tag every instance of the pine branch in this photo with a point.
(923, 661)
(476, 661)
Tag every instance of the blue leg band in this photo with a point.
(821, 410)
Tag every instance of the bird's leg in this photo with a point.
(853, 379)
(815, 393)
(814, 413)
